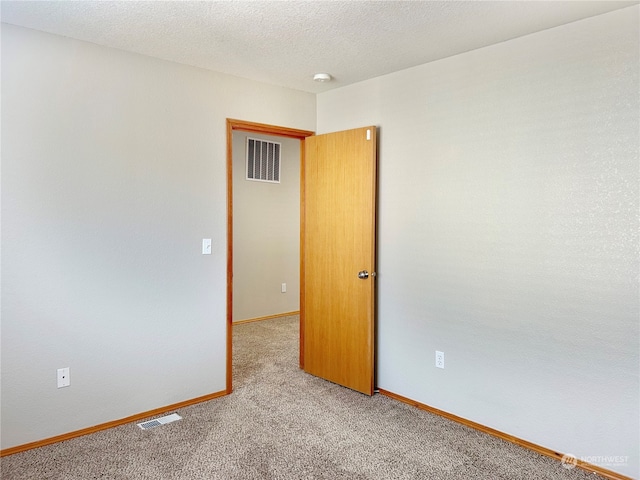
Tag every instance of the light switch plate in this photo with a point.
(206, 246)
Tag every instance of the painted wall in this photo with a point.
(113, 170)
(266, 234)
(508, 234)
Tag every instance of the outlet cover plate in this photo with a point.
(439, 359)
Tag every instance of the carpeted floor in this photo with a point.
(281, 423)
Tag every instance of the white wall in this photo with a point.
(266, 234)
(508, 233)
(113, 170)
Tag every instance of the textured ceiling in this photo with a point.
(286, 42)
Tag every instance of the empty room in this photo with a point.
(320, 239)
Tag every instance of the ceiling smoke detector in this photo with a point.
(322, 77)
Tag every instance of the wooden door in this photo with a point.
(339, 221)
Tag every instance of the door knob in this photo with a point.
(363, 275)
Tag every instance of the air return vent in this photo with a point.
(156, 422)
(263, 160)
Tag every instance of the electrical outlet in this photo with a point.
(283, 288)
(439, 359)
(63, 377)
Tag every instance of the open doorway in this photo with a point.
(259, 130)
(266, 227)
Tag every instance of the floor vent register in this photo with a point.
(156, 422)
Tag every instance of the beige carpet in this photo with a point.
(281, 423)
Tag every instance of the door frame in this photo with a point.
(277, 131)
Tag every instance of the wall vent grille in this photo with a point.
(263, 160)
(156, 422)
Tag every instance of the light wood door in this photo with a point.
(339, 221)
